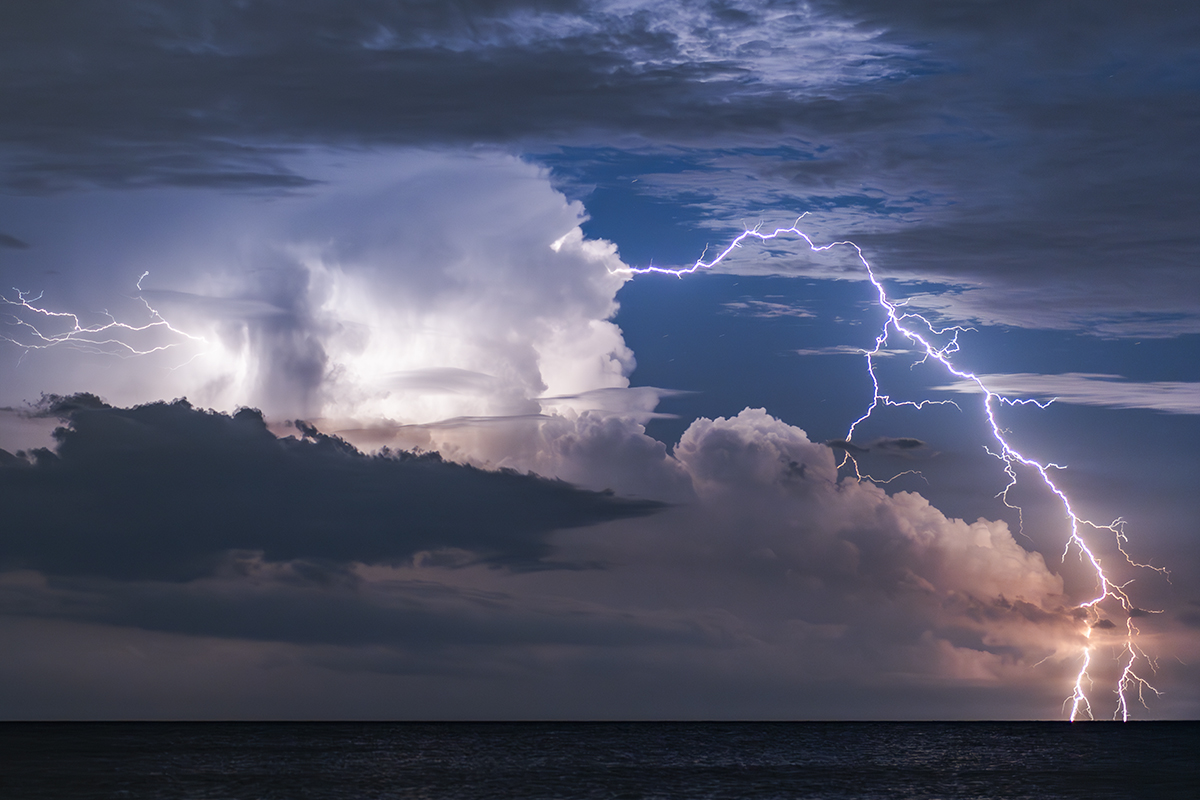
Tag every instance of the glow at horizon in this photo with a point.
(902, 323)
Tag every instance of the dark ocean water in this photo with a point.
(599, 760)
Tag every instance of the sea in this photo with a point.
(458, 760)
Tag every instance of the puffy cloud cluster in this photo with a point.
(415, 301)
(769, 504)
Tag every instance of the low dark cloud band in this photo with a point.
(166, 491)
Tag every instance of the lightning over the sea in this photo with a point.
(31, 326)
(924, 335)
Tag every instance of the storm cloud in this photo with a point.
(167, 491)
(160, 93)
(403, 230)
(920, 130)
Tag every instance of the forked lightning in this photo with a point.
(920, 332)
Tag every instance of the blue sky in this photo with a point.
(443, 454)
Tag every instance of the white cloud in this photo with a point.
(374, 298)
(767, 309)
(1089, 389)
(837, 350)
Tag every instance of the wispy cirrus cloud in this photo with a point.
(849, 350)
(1090, 389)
(766, 309)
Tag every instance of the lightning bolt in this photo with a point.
(111, 338)
(107, 338)
(922, 334)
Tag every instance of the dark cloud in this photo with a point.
(887, 445)
(1030, 143)
(1059, 141)
(214, 94)
(898, 444)
(900, 447)
(302, 602)
(167, 491)
(1190, 616)
(1046, 153)
(63, 406)
(13, 242)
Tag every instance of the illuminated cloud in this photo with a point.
(775, 488)
(422, 286)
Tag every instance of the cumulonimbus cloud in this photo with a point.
(422, 286)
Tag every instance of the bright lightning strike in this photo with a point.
(921, 333)
(64, 329)
(35, 327)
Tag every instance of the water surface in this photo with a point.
(432, 761)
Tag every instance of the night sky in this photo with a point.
(328, 388)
